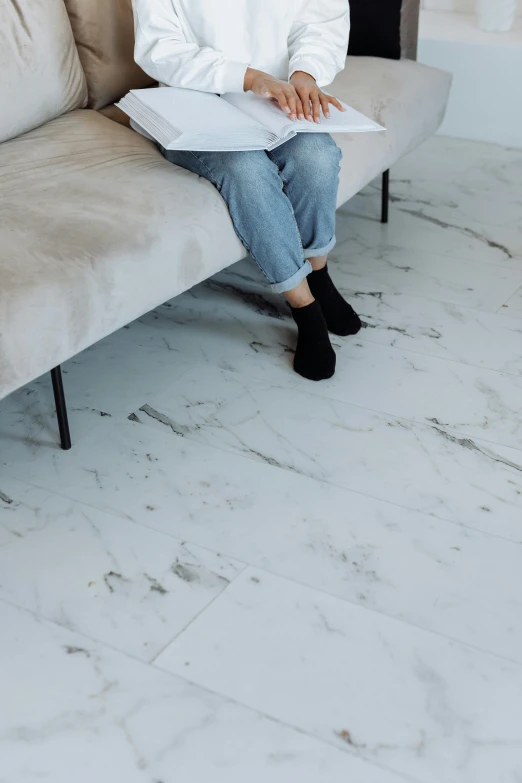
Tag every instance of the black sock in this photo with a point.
(314, 356)
(340, 316)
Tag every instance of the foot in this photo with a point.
(314, 356)
(340, 316)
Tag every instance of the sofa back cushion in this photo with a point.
(384, 28)
(40, 73)
(104, 33)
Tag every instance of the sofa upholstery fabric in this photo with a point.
(104, 33)
(40, 73)
(407, 98)
(98, 228)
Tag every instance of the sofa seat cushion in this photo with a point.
(96, 229)
(409, 99)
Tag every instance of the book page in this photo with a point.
(191, 112)
(348, 121)
(262, 110)
(276, 120)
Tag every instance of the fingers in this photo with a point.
(289, 101)
(293, 105)
(335, 103)
(313, 101)
(304, 97)
(325, 105)
(280, 96)
(299, 107)
(319, 102)
(302, 103)
(316, 106)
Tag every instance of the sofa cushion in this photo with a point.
(104, 33)
(97, 228)
(40, 73)
(409, 99)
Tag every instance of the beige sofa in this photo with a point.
(96, 227)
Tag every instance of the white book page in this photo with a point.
(191, 112)
(276, 120)
(262, 110)
(348, 121)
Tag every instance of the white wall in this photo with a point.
(486, 67)
(460, 6)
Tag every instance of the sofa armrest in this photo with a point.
(410, 28)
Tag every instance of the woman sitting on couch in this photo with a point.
(283, 202)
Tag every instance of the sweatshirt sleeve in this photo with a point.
(318, 41)
(163, 52)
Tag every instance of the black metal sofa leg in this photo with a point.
(61, 408)
(385, 196)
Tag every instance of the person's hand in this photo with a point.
(267, 86)
(312, 98)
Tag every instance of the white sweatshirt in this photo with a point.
(208, 44)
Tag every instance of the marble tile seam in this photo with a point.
(108, 645)
(249, 565)
(504, 304)
(321, 591)
(165, 672)
(400, 776)
(246, 566)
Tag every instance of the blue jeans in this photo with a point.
(282, 203)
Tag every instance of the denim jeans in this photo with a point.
(282, 203)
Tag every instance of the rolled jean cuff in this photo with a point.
(312, 252)
(292, 282)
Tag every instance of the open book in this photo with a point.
(181, 119)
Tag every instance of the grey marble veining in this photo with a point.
(442, 329)
(424, 467)
(475, 402)
(424, 273)
(475, 198)
(16, 399)
(100, 575)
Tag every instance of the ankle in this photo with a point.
(320, 271)
(299, 302)
(318, 263)
(299, 297)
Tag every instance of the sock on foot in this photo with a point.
(340, 316)
(314, 356)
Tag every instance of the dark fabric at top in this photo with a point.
(376, 28)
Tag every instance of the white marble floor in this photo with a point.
(240, 576)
